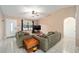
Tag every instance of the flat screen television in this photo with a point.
(37, 27)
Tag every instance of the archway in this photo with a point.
(69, 34)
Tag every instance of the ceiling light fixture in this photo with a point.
(35, 13)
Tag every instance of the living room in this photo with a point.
(48, 19)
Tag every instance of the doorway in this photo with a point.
(69, 34)
(10, 27)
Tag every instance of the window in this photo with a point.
(11, 25)
(27, 25)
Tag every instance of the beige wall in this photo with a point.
(1, 26)
(54, 22)
(77, 26)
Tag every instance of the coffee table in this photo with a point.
(31, 45)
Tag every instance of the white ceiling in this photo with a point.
(25, 11)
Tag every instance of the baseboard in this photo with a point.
(10, 37)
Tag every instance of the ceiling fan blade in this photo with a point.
(24, 13)
(42, 13)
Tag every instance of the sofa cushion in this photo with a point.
(50, 33)
(44, 36)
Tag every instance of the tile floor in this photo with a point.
(66, 45)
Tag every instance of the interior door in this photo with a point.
(10, 27)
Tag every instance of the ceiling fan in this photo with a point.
(35, 13)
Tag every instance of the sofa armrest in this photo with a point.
(43, 42)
